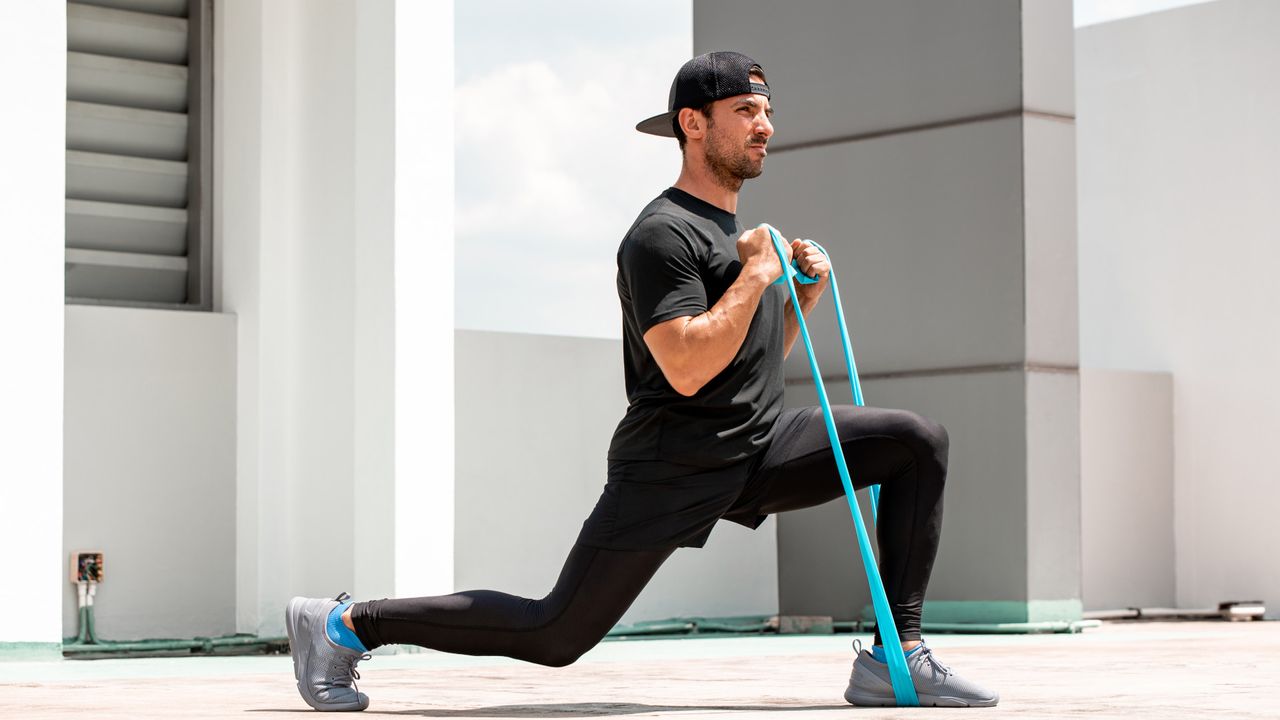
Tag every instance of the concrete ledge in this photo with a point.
(990, 612)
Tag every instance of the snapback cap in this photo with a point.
(704, 79)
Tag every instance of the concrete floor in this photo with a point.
(1121, 670)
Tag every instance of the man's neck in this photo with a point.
(701, 183)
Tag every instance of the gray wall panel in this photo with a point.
(841, 68)
(954, 243)
(1053, 485)
(926, 234)
(1048, 73)
(980, 558)
(1052, 307)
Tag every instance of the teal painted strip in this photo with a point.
(29, 651)
(997, 628)
(1055, 610)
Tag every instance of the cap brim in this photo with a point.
(659, 125)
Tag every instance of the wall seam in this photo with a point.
(922, 127)
(931, 372)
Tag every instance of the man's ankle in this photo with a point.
(906, 644)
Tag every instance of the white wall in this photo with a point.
(1126, 489)
(535, 415)
(150, 468)
(33, 45)
(1178, 180)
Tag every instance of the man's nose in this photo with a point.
(764, 126)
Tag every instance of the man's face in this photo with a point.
(738, 130)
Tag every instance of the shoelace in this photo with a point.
(347, 664)
(927, 654)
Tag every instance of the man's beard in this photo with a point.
(730, 167)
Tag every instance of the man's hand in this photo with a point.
(759, 257)
(813, 263)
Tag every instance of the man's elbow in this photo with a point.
(686, 388)
(686, 383)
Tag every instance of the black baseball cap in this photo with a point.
(704, 79)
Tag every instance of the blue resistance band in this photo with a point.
(903, 690)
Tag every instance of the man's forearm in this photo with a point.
(791, 326)
(709, 342)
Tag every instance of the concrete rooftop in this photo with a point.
(1121, 670)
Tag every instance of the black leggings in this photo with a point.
(904, 453)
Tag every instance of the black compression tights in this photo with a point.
(903, 452)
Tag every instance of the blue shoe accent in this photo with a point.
(338, 631)
(877, 652)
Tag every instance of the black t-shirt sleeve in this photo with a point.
(659, 264)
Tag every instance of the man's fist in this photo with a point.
(757, 253)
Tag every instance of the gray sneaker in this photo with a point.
(936, 684)
(325, 670)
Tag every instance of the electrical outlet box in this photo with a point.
(87, 566)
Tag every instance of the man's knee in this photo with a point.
(926, 436)
(560, 653)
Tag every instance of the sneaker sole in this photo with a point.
(298, 649)
(925, 701)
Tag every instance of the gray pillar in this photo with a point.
(930, 146)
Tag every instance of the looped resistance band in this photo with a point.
(903, 690)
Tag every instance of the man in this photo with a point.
(704, 437)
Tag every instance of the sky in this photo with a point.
(550, 170)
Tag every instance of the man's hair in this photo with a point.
(681, 138)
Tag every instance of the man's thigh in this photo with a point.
(799, 469)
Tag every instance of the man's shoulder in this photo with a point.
(661, 223)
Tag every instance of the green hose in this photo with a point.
(86, 643)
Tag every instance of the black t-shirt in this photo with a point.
(677, 259)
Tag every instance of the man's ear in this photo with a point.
(693, 123)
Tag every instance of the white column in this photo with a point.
(424, 298)
(335, 251)
(33, 47)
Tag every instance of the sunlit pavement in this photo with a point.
(1150, 671)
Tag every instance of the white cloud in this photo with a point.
(551, 173)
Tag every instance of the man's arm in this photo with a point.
(691, 350)
(812, 263)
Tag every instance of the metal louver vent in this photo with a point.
(137, 152)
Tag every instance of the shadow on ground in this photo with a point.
(579, 710)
